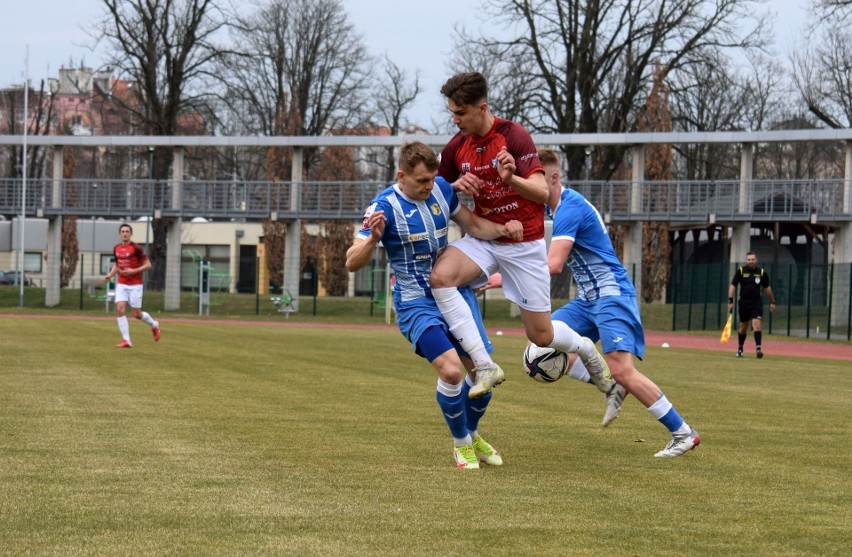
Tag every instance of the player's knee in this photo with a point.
(542, 338)
(440, 279)
(623, 374)
(451, 374)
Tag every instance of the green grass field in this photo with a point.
(241, 439)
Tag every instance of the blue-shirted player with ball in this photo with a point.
(411, 220)
(605, 307)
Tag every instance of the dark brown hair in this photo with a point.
(466, 88)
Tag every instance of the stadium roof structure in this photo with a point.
(781, 136)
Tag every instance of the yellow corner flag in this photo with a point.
(726, 331)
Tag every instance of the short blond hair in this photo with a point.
(548, 156)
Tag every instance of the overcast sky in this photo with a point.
(416, 35)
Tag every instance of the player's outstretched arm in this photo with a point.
(485, 229)
(361, 250)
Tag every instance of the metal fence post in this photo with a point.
(82, 272)
(704, 314)
(808, 304)
(849, 307)
(674, 296)
(789, 296)
(691, 289)
(774, 274)
(830, 297)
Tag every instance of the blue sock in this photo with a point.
(666, 414)
(451, 399)
(475, 409)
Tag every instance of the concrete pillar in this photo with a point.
(53, 267)
(746, 203)
(847, 184)
(842, 252)
(292, 247)
(173, 246)
(740, 242)
(633, 240)
(741, 231)
(173, 257)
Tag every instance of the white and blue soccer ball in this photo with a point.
(545, 364)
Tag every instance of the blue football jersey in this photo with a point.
(415, 234)
(593, 262)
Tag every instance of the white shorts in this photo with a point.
(130, 293)
(526, 278)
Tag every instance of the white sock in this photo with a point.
(579, 372)
(661, 407)
(567, 340)
(146, 317)
(124, 328)
(462, 442)
(462, 325)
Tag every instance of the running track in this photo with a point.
(774, 346)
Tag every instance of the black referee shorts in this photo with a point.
(750, 309)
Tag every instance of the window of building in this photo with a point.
(219, 258)
(106, 263)
(32, 263)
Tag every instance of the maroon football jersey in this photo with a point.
(497, 201)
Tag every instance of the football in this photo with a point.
(545, 364)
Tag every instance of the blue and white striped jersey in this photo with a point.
(593, 262)
(415, 234)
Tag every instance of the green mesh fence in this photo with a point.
(812, 301)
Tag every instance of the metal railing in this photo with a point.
(709, 201)
(691, 201)
(195, 198)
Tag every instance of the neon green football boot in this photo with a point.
(466, 457)
(486, 453)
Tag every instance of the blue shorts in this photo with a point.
(614, 320)
(416, 316)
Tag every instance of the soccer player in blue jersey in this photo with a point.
(411, 219)
(605, 307)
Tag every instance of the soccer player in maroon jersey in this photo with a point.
(130, 263)
(496, 162)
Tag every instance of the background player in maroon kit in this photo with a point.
(130, 263)
(496, 162)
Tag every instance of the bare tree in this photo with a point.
(165, 48)
(395, 93)
(297, 68)
(39, 121)
(822, 72)
(714, 96)
(656, 249)
(584, 65)
(836, 10)
(336, 235)
(70, 245)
